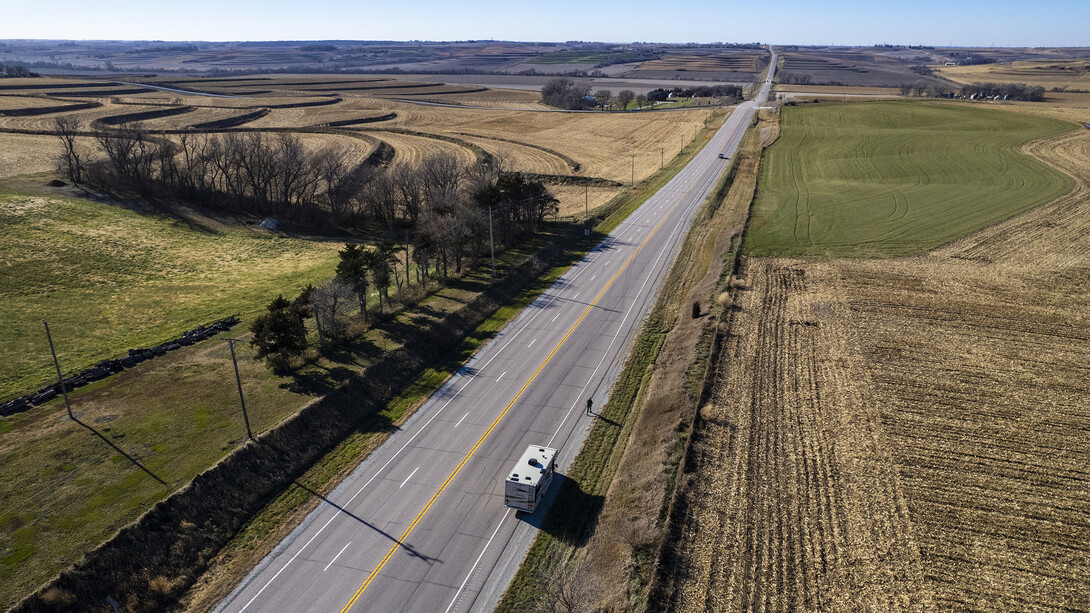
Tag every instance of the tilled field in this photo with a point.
(903, 434)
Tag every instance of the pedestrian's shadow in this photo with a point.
(607, 420)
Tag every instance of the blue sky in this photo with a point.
(957, 22)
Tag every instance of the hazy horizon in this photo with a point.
(972, 23)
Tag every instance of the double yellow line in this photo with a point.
(397, 544)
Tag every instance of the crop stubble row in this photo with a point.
(903, 434)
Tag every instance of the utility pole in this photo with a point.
(492, 242)
(231, 343)
(586, 202)
(633, 182)
(60, 380)
(662, 156)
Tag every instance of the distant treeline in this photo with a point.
(440, 206)
(16, 71)
(565, 93)
(993, 91)
(702, 91)
(794, 78)
(164, 49)
(968, 59)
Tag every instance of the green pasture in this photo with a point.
(895, 178)
(108, 279)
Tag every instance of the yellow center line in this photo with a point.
(419, 516)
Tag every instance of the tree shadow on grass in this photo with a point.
(318, 381)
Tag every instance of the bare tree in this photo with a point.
(441, 175)
(342, 183)
(380, 199)
(410, 191)
(603, 97)
(71, 161)
(624, 97)
(331, 303)
(564, 590)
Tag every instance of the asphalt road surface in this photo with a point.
(421, 524)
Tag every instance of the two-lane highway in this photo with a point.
(421, 525)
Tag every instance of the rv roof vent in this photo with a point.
(532, 462)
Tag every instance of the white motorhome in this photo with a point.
(528, 481)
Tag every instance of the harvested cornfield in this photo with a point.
(23, 154)
(1062, 74)
(86, 117)
(522, 157)
(575, 200)
(903, 434)
(411, 149)
(735, 62)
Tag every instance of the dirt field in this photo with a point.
(902, 434)
(1069, 74)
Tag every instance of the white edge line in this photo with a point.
(474, 567)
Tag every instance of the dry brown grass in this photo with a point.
(841, 90)
(627, 526)
(902, 434)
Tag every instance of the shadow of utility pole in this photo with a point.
(406, 547)
(119, 450)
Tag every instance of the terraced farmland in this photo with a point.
(705, 63)
(895, 178)
(612, 146)
(1067, 74)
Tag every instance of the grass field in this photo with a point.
(68, 489)
(895, 178)
(109, 279)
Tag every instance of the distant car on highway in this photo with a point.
(723, 156)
